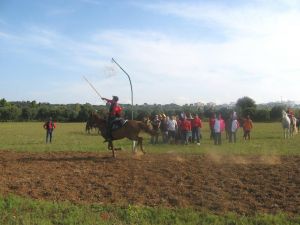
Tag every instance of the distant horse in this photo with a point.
(286, 125)
(130, 130)
(90, 124)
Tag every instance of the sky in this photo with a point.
(174, 51)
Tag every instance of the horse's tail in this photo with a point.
(146, 128)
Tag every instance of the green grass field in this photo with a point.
(15, 210)
(266, 139)
(30, 137)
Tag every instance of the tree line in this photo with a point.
(33, 111)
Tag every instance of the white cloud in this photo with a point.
(7, 36)
(245, 18)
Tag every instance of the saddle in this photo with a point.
(117, 123)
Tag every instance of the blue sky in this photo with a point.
(175, 51)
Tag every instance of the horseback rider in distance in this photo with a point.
(115, 111)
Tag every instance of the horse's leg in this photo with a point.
(140, 143)
(110, 145)
(112, 149)
(113, 153)
(134, 146)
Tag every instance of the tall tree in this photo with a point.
(246, 106)
(3, 102)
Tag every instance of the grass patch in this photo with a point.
(16, 210)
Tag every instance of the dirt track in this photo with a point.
(245, 185)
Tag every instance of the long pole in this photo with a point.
(112, 59)
(92, 87)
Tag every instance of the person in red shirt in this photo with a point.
(196, 126)
(186, 129)
(115, 111)
(178, 137)
(49, 127)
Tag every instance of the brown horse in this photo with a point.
(130, 130)
(90, 125)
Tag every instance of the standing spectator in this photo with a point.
(164, 128)
(186, 130)
(219, 127)
(228, 124)
(211, 125)
(156, 125)
(172, 128)
(182, 116)
(247, 126)
(189, 117)
(234, 114)
(49, 126)
(196, 129)
(234, 127)
(178, 136)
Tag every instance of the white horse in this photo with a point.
(286, 125)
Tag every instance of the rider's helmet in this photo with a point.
(115, 98)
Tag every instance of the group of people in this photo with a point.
(217, 126)
(177, 129)
(187, 128)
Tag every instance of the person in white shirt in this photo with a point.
(219, 127)
(172, 129)
(234, 127)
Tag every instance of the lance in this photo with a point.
(93, 87)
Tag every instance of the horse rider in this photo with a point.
(290, 113)
(115, 111)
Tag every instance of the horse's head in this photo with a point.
(148, 123)
(284, 114)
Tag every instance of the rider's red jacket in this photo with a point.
(115, 108)
(116, 111)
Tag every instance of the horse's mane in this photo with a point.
(98, 120)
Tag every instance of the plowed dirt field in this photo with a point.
(216, 183)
